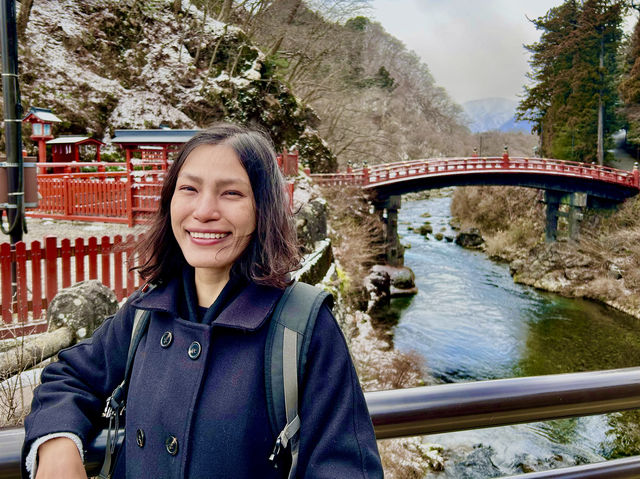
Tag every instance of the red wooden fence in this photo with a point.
(129, 197)
(42, 271)
(113, 197)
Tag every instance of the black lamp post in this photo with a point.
(12, 121)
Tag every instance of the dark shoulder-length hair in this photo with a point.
(272, 252)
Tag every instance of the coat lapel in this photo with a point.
(248, 311)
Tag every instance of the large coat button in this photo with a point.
(140, 438)
(166, 339)
(171, 445)
(194, 350)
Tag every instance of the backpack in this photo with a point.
(286, 348)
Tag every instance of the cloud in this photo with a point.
(474, 49)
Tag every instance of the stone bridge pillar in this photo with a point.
(575, 202)
(388, 211)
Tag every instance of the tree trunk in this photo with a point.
(23, 18)
(225, 12)
(600, 150)
(292, 15)
(33, 350)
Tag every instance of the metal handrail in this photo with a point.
(460, 406)
(455, 407)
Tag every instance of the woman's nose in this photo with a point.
(206, 208)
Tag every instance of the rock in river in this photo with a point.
(469, 238)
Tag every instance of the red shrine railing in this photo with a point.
(391, 172)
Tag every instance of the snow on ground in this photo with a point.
(38, 229)
(139, 109)
(62, 68)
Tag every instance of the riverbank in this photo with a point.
(472, 322)
(355, 234)
(603, 264)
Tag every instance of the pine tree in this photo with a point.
(630, 89)
(574, 70)
(551, 62)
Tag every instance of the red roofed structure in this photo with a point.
(41, 120)
(67, 148)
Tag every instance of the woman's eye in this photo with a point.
(232, 193)
(186, 188)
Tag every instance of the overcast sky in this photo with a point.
(474, 48)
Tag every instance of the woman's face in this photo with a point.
(212, 209)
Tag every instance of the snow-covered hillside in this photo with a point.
(107, 64)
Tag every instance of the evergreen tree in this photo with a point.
(569, 83)
(630, 89)
(551, 61)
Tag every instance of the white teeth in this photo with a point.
(197, 235)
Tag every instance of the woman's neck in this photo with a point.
(209, 284)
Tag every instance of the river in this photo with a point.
(471, 322)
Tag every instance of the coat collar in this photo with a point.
(248, 311)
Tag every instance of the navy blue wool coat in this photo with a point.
(206, 416)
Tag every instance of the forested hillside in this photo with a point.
(109, 64)
(376, 100)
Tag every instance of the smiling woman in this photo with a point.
(223, 168)
(199, 402)
(212, 215)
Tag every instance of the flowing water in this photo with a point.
(470, 322)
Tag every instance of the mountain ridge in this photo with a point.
(494, 113)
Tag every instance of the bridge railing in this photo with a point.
(357, 178)
(456, 407)
(377, 174)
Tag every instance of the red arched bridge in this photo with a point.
(398, 178)
(564, 182)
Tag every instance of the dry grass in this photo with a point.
(15, 389)
(512, 223)
(498, 208)
(499, 244)
(356, 237)
(399, 458)
(403, 371)
(510, 218)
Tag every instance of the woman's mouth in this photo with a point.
(207, 236)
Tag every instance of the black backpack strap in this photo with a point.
(116, 403)
(286, 350)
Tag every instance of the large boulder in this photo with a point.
(311, 223)
(425, 229)
(82, 308)
(403, 278)
(73, 315)
(378, 286)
